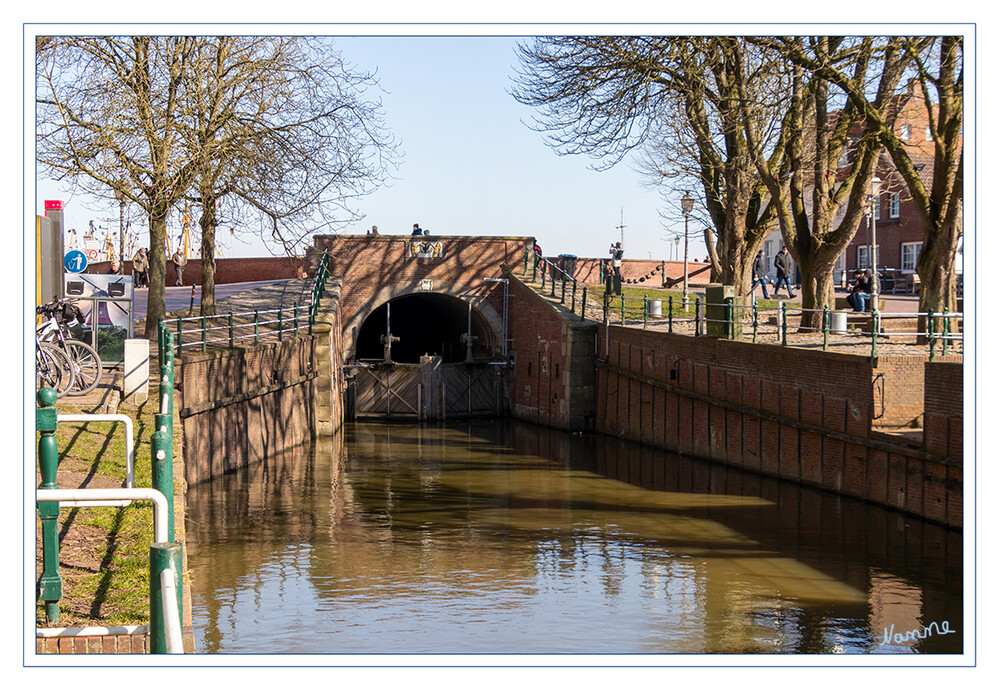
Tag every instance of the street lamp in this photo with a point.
(120, 196)
(873, 252)
(686, 205)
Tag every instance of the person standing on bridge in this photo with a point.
(617, 254)
(417, 231)
(374, 230)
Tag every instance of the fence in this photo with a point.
(860, 332)
(165, 557)
(231, 329)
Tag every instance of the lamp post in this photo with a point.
(873, 252)
(120, 196)
(686, 205)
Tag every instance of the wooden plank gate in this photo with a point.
(427, 391)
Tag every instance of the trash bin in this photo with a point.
(837, 322)
(655, 307)
(567, 262)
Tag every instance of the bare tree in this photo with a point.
(939, 66)
(677, 100)
(830, 160)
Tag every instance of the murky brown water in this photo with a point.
(507, 538)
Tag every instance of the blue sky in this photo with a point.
(471, 166)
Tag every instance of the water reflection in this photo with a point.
(509, 538)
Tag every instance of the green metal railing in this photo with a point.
(165, 557)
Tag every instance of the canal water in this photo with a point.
(508, 538)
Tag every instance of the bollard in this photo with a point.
(946, 331)
(875, 327)
(162, 465)
(163, 556)
(825, 327)
(931, 327)
(46, 422)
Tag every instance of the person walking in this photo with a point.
(179, 261)
(140, 265)
(760, 276)
(784, 265)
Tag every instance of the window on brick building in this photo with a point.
(877, 209)
(863, 256)
(910, 253)
(894, 205)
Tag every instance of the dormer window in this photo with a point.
(905, 132)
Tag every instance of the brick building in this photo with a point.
(898, 226)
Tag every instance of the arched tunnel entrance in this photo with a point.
(412, 359)
(424, 324)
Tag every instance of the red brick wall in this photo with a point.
(226, 270)
(375, 269)
(790, 413)
(552, 380)
(943, 429)
(642, 272)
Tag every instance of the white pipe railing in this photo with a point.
(129, 441)
(92, 631)
(99, 497)
(171, 617)
(96, 497)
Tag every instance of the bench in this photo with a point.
(842, 304)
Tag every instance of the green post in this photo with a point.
(697, 315)
(204, 334)
(875, 327)
(280, 323)
(783, 323)
(606, 308)
(527, 257)
(825, 327)
(162, 557)
(562, 300)
(162, 465)
(50, 584)
(622, 308)
(231, 339)
(756, 320)
(670, 317)
(946, 331)
(296, 321)
(572, 309)
(662, 272)
(730, 318)
(932, 334)
(645, 311)
(180, 339)
(256, 327)
(544, 276)
(582, 306)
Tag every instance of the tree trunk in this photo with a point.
(207, 223)
(817, 290)
(156, 300)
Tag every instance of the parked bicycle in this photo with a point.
(53, 368)
(85, 364)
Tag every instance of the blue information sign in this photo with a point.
(75, 261)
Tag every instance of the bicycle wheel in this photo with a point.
(87, 367)
(53, 369)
